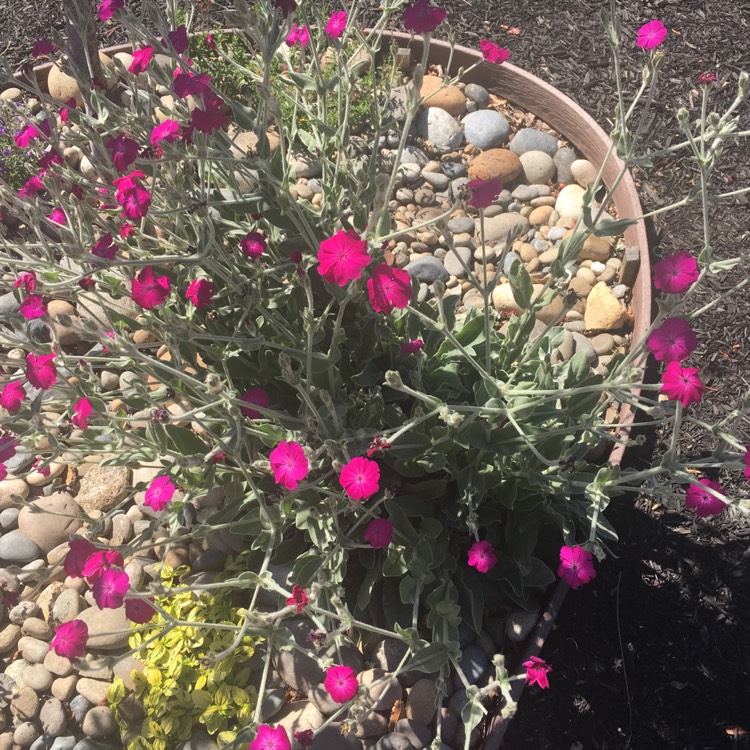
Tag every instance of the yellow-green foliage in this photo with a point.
(176, 689)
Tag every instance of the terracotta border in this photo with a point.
(566, 117)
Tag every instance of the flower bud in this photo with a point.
(682, 116)
(742, 85)
(438, 287)
(393, 379)
(214, 384)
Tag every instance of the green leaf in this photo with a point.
(405, 533)
(431, 658)
(116, 691)
(407, 590)
(184, 441)
(306, 569)
(521, 284)
(365, 590)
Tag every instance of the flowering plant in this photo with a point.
(389, 459)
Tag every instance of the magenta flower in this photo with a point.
(109, 588)
(79, 552)
(255, 396)
(123, 151)
(702, 501)
(360, 478)
(41, 371)
(33, 307)
(493, 53)
(253, 245)
(651, 34)
(336, 24)
(8, 446)
(159, 493)
(388, 288)
(212, 117)
(65, 110)
(126, 230)
(379, 533)
(107, 8)
(31, 187)
(412, 347)
(141, 59)
(536, 672)
(423, 18)
(81, 412)
(43, 47)
(706, 78)
(149, 290)
(673, 341)
(167, 131)
(341, 683)
(270, 738)
(676, 273)
(139, 611)
(285, 6)
(298, 599)
(482, 557)
(682, 384)
(343, 257)
(304, 738)
(132, 196)
(27, 280)
(200, 292)
(576, 566)
(105, 247)
(12, 395)
(190, 84)
(58, 216)
(179, 39)
(70, 639)
(289, 464)
(298, 35)
(100, 560)
(483, 192)
(29, 133)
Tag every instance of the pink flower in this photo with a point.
(379, 533)
(132, 196)
(576, 566)
(141, 59)
(270, 738)
(105, 247)
(651, 34)
(423, 18)
(745, 458)
(8, 446)
(27, 280)
(70, 639)
(109, 588)
(483, 192)
(139, 611)
(343, 257)
(126, 230)
(289, 464)
(12, 395)
(703, 502)
(212, 117)
(81, 412)
(65, 111)
(285, 6)
(41, 371)
(298, 35)
(123, 151)
(298, 598)
(253, 245)
(536, 672)
(31, 187)
(42, 47)
(482, 557)
(190, 84)
(493, 53)
(30, 133)
(388, 288)
(100, 560)
(79, 551)
(412, 347)
(360, 478)
(673, 341)
(167, 131)
(706, 78)
(159, 493)
(255, 396)
(48, 158)
(179, 39)
(341, 683)
(58, 216)
(304, 738)
(676, 273)
(682, 384)
(108, 8)
(336, 24)
(200, 292)
(33, 307)
(149, 290)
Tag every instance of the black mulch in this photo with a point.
(655, 653)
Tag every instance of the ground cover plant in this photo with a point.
(315, 396)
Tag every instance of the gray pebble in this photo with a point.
(510, 259)
(414, 155)
(474, 662)
(25, 734)
(436, 180)
(440, 129)
(16, 548)
(458, 186)
(461, 224)
(79, 706)
(9, 518)
(23, 610)
(556, 233)
(453, 260)
(524, 193)
(64, 743)
(538, 167)
(531, 139)
(410, 173)
(563, 158)
(416, 732)
(485, 129)
(38, 677)
(454, 169)
(52, 717)
(423, 293)
(504, 199)
(394, 741)
(99, 722)
(477, 94)
(427, 270)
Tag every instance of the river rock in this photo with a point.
(448, 98)
(519, 624)
(64, 688)
(394, 741)
(421, 705)
(584, 172)
(496, 163)
(10, 488)
(52, 717)
(62, 87)
(296, 668)
(99, 722)
(332, 738)
(384, 694)
(46, 528)
(497, 228)
(453, 260)
(540, 216)
(38, 677)
(569, 202)
(103, 487)
(32, 649)
(485, 129)
(25, 734)
(427, 269)
(564, 158)
(603, 310)
(102, 623)
(531, 139)
(440, 129)
(63, 743)
(595, 248)
(538, 167)
(477, 94)
(25, 704)
(298, 717)
(16, 547)
(303, 165)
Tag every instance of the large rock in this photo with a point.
(102, 624)
(54, 525)
(103, 487)
(440, 129)
(485, 129)
(569, 202)
(531, 139)
(495, 163)
(11, 488)
(538, 167)
(448, 98)
(603, 310)
(497, 228)
(16, 547)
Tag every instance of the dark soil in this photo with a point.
(654, 653)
